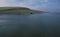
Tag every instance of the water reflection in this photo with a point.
(34, 25)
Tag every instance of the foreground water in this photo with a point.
(34, 25)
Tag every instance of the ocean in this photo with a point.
(34, 25)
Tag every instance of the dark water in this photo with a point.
(34, 25)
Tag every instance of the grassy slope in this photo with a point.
(17, 10)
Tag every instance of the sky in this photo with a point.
(44, 5)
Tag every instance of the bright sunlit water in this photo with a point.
(34, 25)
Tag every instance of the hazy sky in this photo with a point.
(46, 5)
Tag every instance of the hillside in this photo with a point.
(17, 10)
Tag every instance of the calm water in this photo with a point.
(34, 25)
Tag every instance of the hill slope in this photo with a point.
(17, 10)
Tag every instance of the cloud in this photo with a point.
(44, 5)
(2, 3)
(17, 2)
(33, 4)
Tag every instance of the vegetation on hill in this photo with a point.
(18, 10)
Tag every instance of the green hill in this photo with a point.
(17, 10)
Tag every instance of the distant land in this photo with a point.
(17, 10)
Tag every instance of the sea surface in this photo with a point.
(34, 25)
